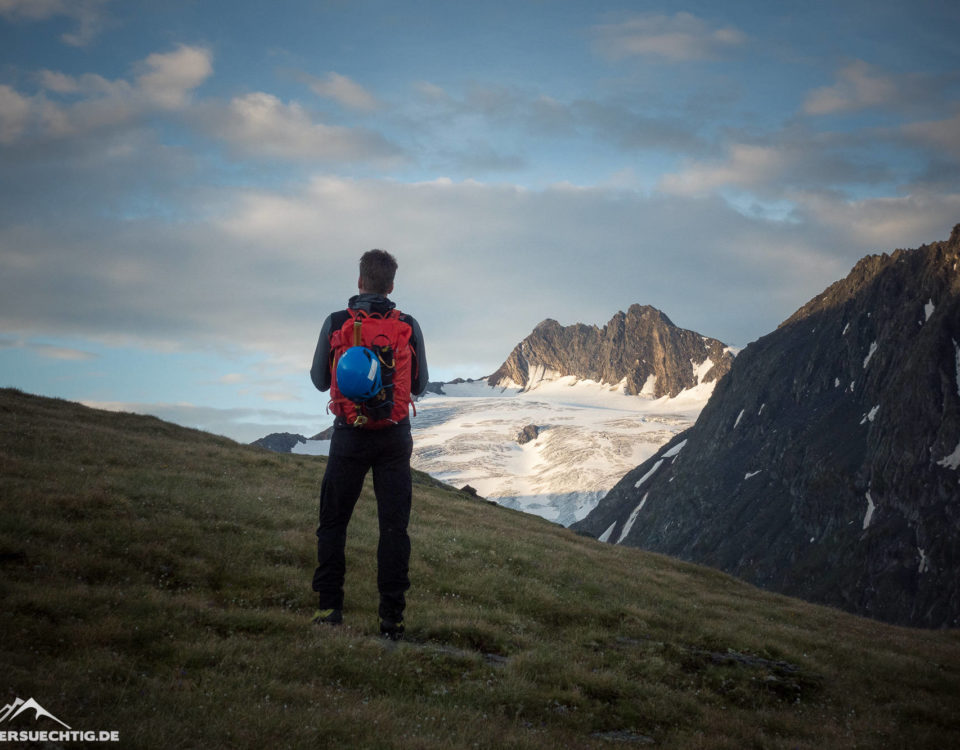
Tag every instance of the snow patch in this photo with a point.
(751, 474)
(649, 387)
(700, 371)
(762, 407)
(503, 385)
(605, 536)
(924, 561)
(929, 308)
(866, 360)
(845, 329)
(868, 516)
(674, 450)
(739, 417)
(649, 474)
(870, 415)
(836, 382)
(953, 460)
(632, 519)
(541, 374)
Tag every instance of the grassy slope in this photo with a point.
(155, 580)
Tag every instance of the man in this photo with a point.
(369, 439)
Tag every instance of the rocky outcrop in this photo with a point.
(285, 442)
(827, 463)
(279, 442)
(527, 434)
(641, 348)
(436, 387)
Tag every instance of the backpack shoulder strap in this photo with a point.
(337, 319)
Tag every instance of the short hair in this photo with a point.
(377, 269)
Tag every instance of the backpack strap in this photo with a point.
(359, 315)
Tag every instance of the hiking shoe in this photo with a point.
(391, 630)
(327, 617)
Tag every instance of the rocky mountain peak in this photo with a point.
(641, 348)
(826, 463)
(928, 267)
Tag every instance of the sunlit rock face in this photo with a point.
(641, 348)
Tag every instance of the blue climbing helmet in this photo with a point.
(358, 374)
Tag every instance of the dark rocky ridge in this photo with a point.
(279, 442)
(284, 442)
(632, 346)
(821, 466)
(437, 387)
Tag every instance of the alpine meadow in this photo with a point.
(155, 582)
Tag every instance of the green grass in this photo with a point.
(156, 581)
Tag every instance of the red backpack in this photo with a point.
(388, 335)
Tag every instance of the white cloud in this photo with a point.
(678, 38)
(344, 90)
(94, 102)
(274, 396)
(49, 351)
(943, 135)
(14, 114)
(746, 166)
(61, 352)
(859, 86)
(787, 160)
(262, 124)
(431, 91)
(59, 83)
(882, 224)
(265, 272)
(460, 129)
(89, 15)
(257, 123)
(34, 10)
(89, 85)
(172, 76)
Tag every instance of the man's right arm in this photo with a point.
(320, 371)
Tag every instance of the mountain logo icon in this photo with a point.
(12, 710)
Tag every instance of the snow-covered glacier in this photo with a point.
(590, 435)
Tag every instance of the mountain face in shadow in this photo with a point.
(827, 463)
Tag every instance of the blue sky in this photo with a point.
(186, 187)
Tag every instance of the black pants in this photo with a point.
(352, 453)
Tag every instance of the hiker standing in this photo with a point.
(371, 357)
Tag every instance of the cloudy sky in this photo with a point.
(186, 186)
